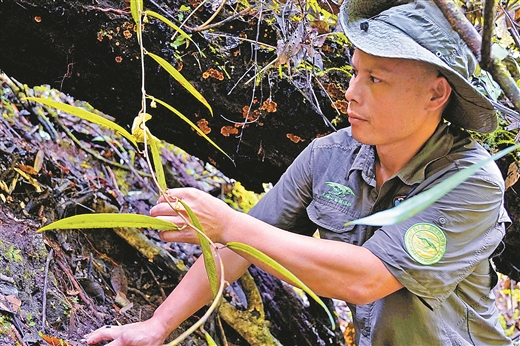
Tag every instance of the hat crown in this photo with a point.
(356, 9)
(418, 30)
(424, 23)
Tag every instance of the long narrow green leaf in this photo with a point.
(193, 126)
(173, 26)
(110, 220)
(86, 115)
(209, 259)
(420, 202)
(209, 339)
(136, 8)
(157, 161)
(180, 78)
(282, 270)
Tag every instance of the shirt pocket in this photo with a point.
(331, 219)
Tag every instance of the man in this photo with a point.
(425, 281)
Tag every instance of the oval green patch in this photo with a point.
(425, 242)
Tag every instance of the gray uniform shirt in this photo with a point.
(441, 255)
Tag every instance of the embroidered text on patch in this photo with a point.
(338, 193)
(425, 242)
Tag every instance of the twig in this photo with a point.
(61, 260)
(221, 329)
(462, 25)
(206, 23)
(100, 254)
(163, 294)
(512, 26)
(106, 10)
(224, 21)
(18, 335)
(45, 283)
(141, 294)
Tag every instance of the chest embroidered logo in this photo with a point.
(338, 193)
(425, 242)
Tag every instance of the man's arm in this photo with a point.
(330, 268)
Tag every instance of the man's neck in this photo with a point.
(390, 159)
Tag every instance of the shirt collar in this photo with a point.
(364, 161)
(438, 145)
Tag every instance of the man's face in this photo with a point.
(389, 100)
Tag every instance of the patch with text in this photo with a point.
(338, 193)
(425, 242)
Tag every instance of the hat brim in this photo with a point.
(468, 108)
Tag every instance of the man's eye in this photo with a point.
(375, 79)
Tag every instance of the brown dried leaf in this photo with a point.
(513, 174)
(38, 160)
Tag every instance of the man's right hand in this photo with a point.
(148, 333)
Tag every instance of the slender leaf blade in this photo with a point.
(420, 202)
(282, 270)
(157, 160)
(86, 115)
(180, 78)
(110, 220)
(209, 339)
(209, 259)
(193, 126)
(136, 8)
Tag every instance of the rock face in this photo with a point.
(89, 50)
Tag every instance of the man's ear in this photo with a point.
(441, 91)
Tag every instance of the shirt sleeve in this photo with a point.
(284, 206)
(471, 217)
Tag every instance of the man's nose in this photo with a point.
(350, 94)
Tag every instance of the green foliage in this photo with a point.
(209, 259)
(86, 115)
(195, 127)
(5, 325)
(157, 161)
(241, 199)
(180, 78)
(13, 254)
(109, 220)
(209, 339)
(136, 9)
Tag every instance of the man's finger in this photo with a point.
(102, 334)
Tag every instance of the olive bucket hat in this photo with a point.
(418, 30)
